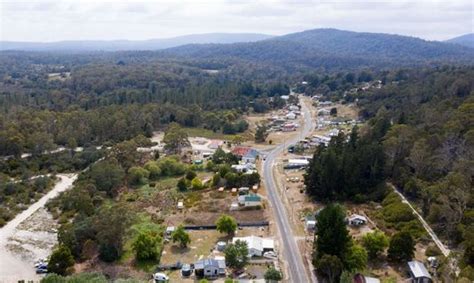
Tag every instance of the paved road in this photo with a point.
(292, 255)
(427, 227)
(13, 267)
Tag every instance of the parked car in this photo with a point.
(186, 270)
(270, 255)
(42, 270)
(160, 277)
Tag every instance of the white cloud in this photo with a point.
(44, 20)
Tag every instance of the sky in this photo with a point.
(46, 20)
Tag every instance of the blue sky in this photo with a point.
(45, 20)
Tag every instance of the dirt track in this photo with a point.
(29, 236)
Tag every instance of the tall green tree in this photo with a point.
(375, 243)
(226, 224)
(330, 267)
(261, 133)
(236, 254)
(147, 245)
(332, 236)
(273, 275)
(175, 138)
(112, 223)
(61, 260)
(181, 236)
(402, 247)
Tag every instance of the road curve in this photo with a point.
(291, 252)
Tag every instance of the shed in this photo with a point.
(256, 245)
(209, 268)
(310, 222)
(418, 272)
(357, 220)
(180, 205)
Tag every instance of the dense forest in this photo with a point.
(420, 138)
(73, 100)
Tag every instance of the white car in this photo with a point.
(160, 277)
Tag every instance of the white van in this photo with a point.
(160, 277)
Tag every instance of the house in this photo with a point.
(247, 154)
(333, 132)
(250, 200)
(257, 246)
(360, 278)
(310, 222)
(293, 108)
(290, 116)
(321, 139)
(325, 103)
(357, 220)
(324, 112)
(240, 150)
(418, 272)
(250, 157)
(215, 144)
(209, 268)
(244, 168)
(288, 127)
(296, 163)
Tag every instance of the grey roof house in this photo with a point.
(209, 268)
(418, 272)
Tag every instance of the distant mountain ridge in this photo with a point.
(332, 48)
(466, 40)
(130, 45)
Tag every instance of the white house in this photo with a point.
(256, 245)
(321, 139)
(357, 220)
(324, 112)
(333, 132)
(296, 163)
(310, 222)
(293, 108)
(244, 168)
(250, 200)
(290, 116)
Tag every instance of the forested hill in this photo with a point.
(466, 40)
(335, 49)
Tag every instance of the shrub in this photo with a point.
(138, 175)
(196, 184)
(432, 250)
(147, 245)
